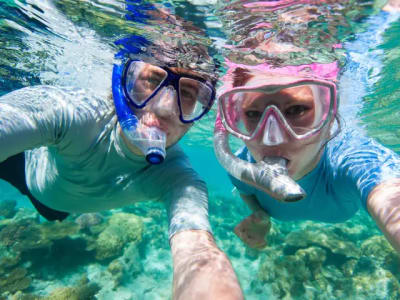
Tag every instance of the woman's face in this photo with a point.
(297, 106)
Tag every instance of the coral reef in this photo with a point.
(324, 238)
(316, 260)
(83, 291)
(127, 266)
(14, 280)
(7, 208)
(85, 221)
(27, 234)
(122, 228)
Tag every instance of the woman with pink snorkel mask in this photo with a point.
(298, 162)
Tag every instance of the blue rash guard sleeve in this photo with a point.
(351, 166)
(363, 162)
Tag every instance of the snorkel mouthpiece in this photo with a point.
(151, 141)
(153, 145)
(281, 183)
(269, 175)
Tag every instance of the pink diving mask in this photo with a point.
(274, 105)
(277, 106)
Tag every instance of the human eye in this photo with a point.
(296, 111)
(253, 115)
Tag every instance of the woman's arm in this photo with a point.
(254, 229)
(384, 206)
(201, 270)
(392, 6)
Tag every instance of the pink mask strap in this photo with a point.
(218, 123)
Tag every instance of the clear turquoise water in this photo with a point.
(34, 49)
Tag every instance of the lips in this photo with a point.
(150, 120)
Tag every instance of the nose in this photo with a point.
(273, 132)
(165, 103)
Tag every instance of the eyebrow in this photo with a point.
(182, 71)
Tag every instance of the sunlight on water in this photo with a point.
(71, 43)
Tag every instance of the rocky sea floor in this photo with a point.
(124, 254)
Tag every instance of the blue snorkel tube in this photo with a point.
(152, 141)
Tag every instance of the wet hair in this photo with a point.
(168, 40)
(240, 77)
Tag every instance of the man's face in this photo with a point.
(162, 111)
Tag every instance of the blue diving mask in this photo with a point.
(137, 83)
(143, 81)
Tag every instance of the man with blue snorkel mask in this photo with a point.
(148, 96)
(71, 151)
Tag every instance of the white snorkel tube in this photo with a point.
(270, 175)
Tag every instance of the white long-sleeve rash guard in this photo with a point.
(76, 161)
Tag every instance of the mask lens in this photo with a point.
(195, 98)
(301, 108)
(142, 80)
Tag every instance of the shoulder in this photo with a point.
(352, 146)
(46, 97)
(361, 160)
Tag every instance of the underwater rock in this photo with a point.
(27, 213)
(348, 267)
(380, 284)
(116, 268)
(58, 230)
(88, 220)
(290, 275)
(121, 229)
(379, 249)
(275, 235)
(21, 296)
(126, 267)
(26, 234)
(14, 280)
(377, 246)
(83, 291)
(315, 273)
(7, 208)
(22, 235)
(324, 238)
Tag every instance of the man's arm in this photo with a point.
(384, 206)
(201, 270)
(30, 117)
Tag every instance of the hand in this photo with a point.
(253, 230)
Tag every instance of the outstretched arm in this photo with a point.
(392, 6)
(201, 270)
(30, 117)
(384, 206)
